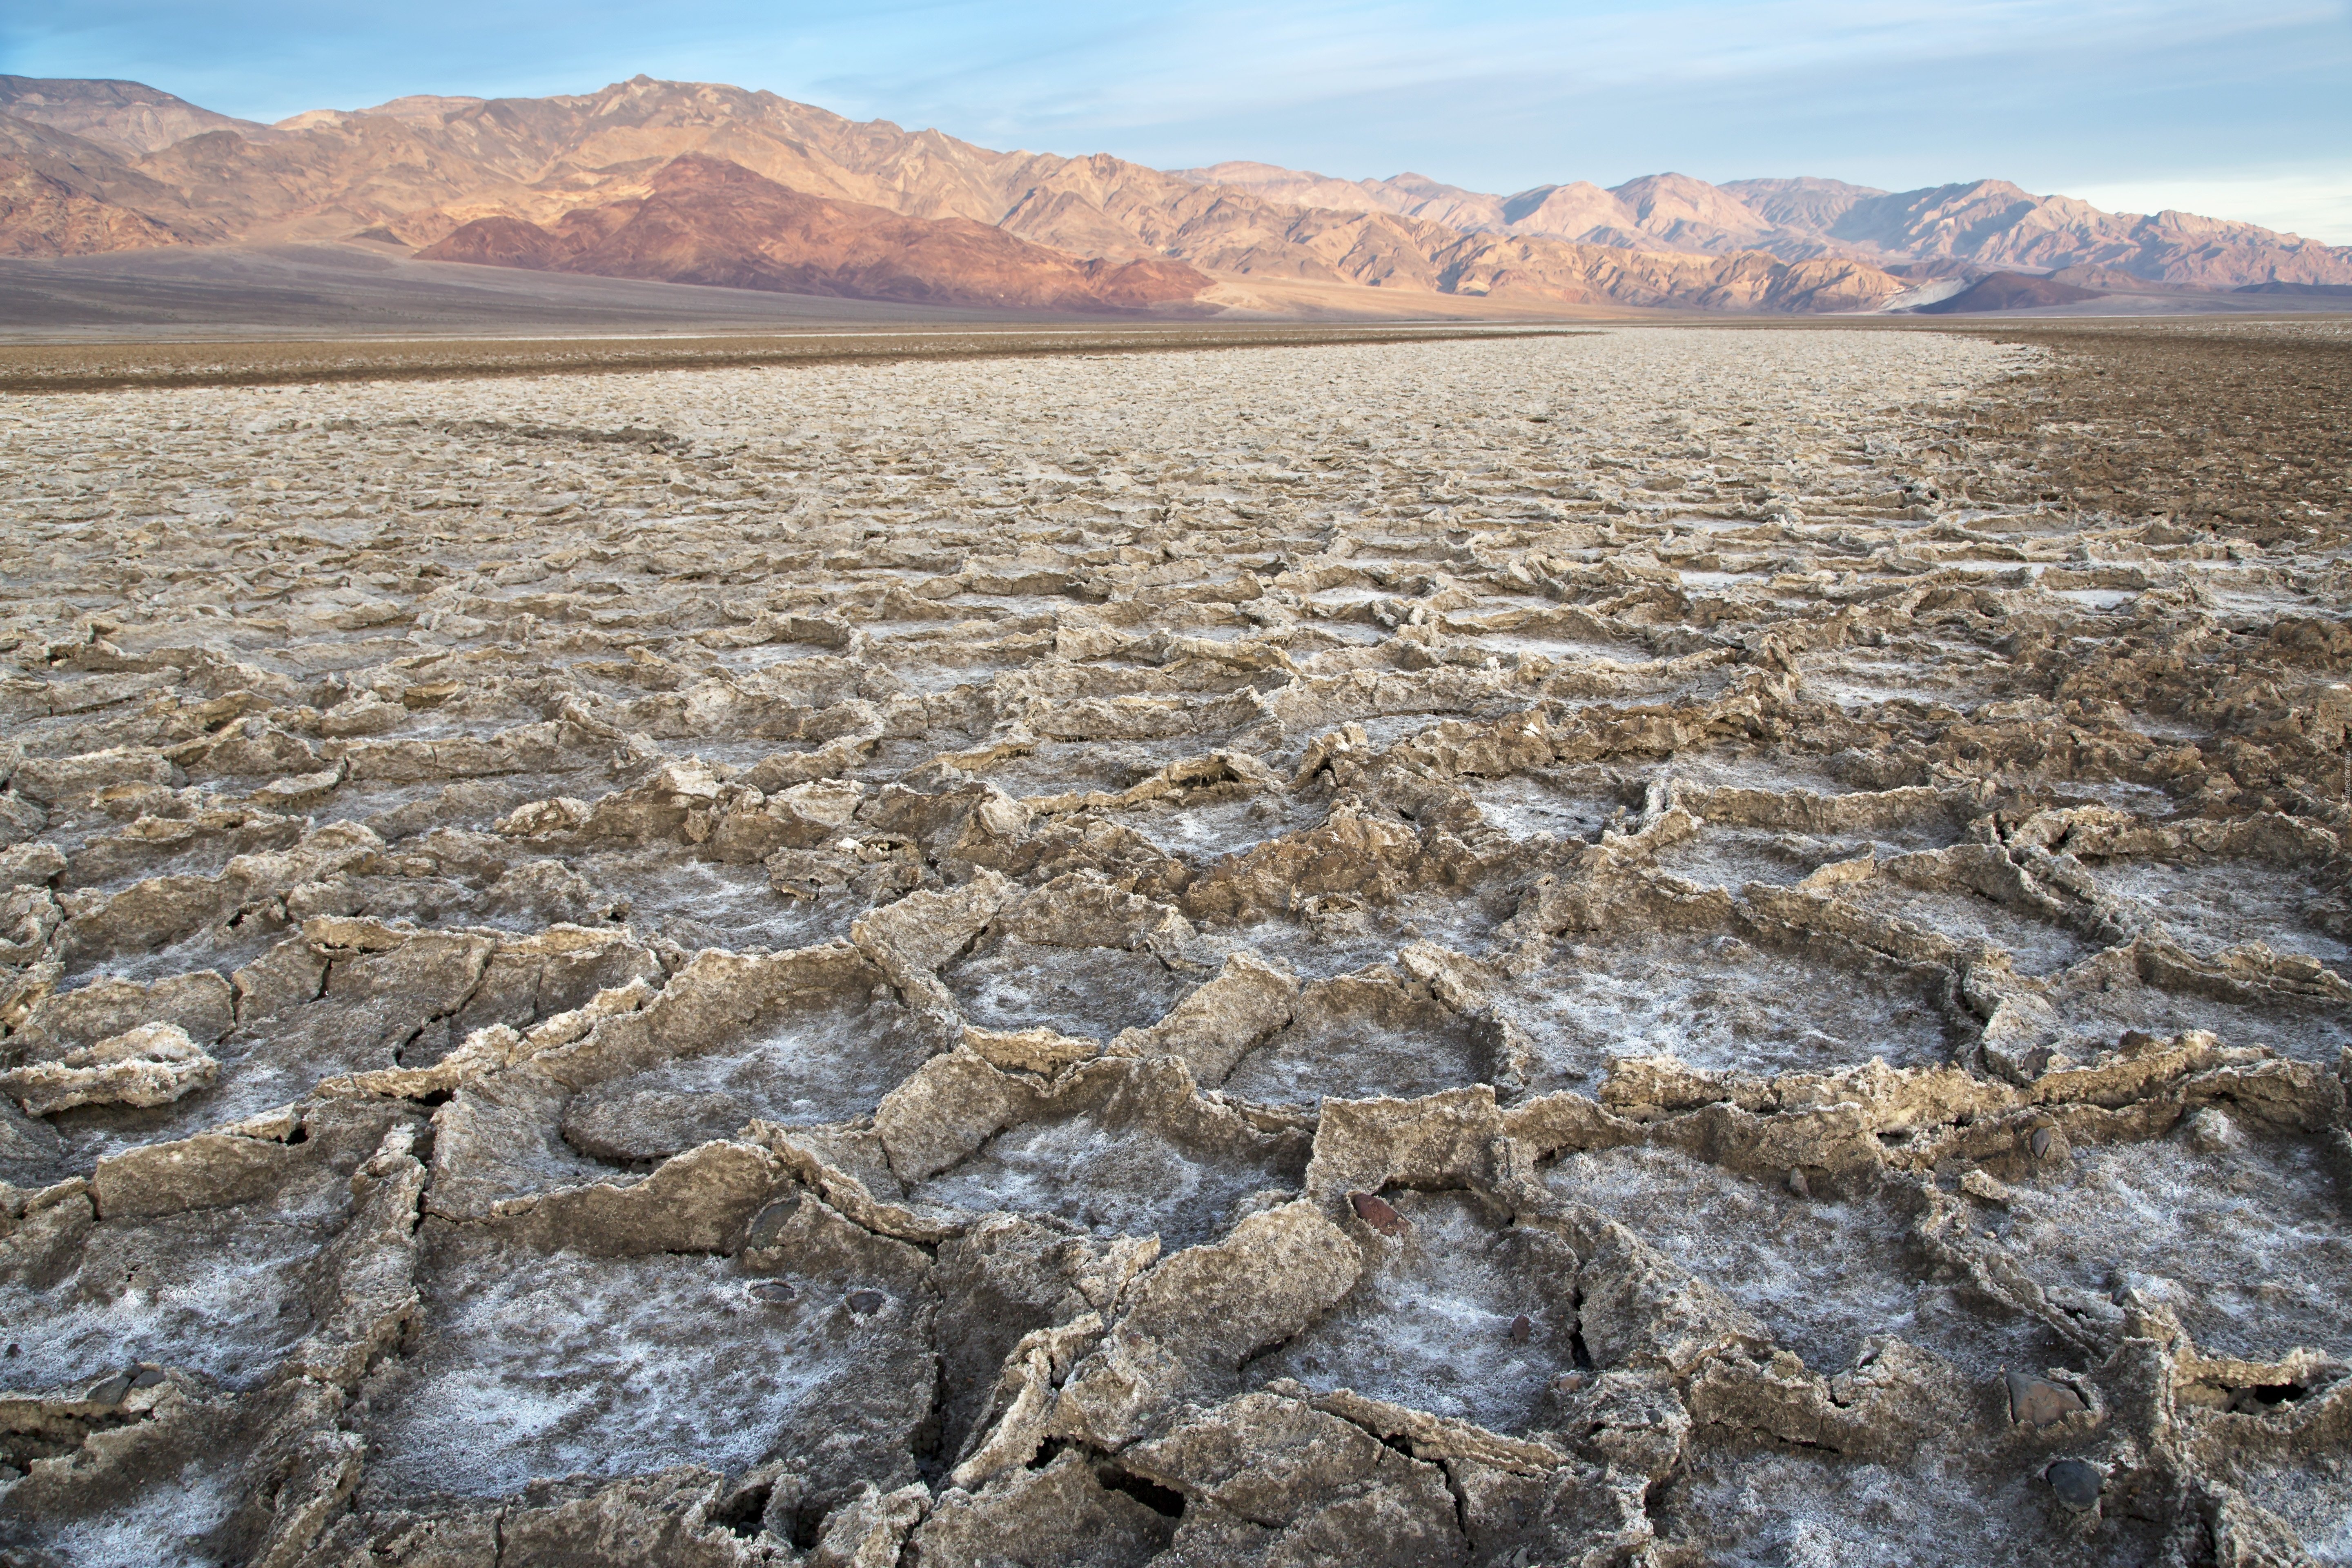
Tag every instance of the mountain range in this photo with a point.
(711, 221)
(1984, 224)
(702, 183)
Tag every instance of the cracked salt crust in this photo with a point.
(825, 964)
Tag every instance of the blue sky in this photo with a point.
(2238, 110)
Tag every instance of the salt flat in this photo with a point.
(1664, 946)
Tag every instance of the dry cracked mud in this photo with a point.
(1662, 947)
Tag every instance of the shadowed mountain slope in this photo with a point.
(2009, 291)
(706, 220)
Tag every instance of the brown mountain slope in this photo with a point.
(126, 118)
(323, 183)
(2111, 280)
(1299, 187)
(2301, 291)
(416, 107)
(61, 195)
(706, 220)
(1578, 210)
(1691, 215)
(1804, 206)
(1107, 205)
(502, 241)
(2009, 291)
(558, 149)
(1994, 223)
(1418, 196)
(1533, 268)
(41, 214)
(1984, 224)
(1990, 221)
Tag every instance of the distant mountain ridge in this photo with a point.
(128, 118)
(1989, 224)
(88, 167)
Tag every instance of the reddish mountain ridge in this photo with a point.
(707, 220)
(1988, 224)
(421, 169)
(73, 181)
(60, 195)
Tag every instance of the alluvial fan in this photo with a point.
(1664, 947)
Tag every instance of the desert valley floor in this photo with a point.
(1665, 946)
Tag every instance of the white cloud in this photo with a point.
(2315, 203)
(1159, 62)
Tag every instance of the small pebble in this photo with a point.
(863, 1302)
(1797, 1183)
(2210, 1130)
(2039, 1143)
(112, 1391)
(2076, 1483)
(148, 1377)
(1523, 1329)
(2038, 1401)
(1375, 1211)
(14, 1350)
(1568, 1383)
(768, 1224)
(774, 1292)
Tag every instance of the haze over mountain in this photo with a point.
(639, 179)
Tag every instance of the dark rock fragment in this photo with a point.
(1523, 1329)
(2039, 1143)
(865, 1303)
(2077, 1483)
(1375, 1211)
(774, 1292)
(768, 1224)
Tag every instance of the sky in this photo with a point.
(2241, 109)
